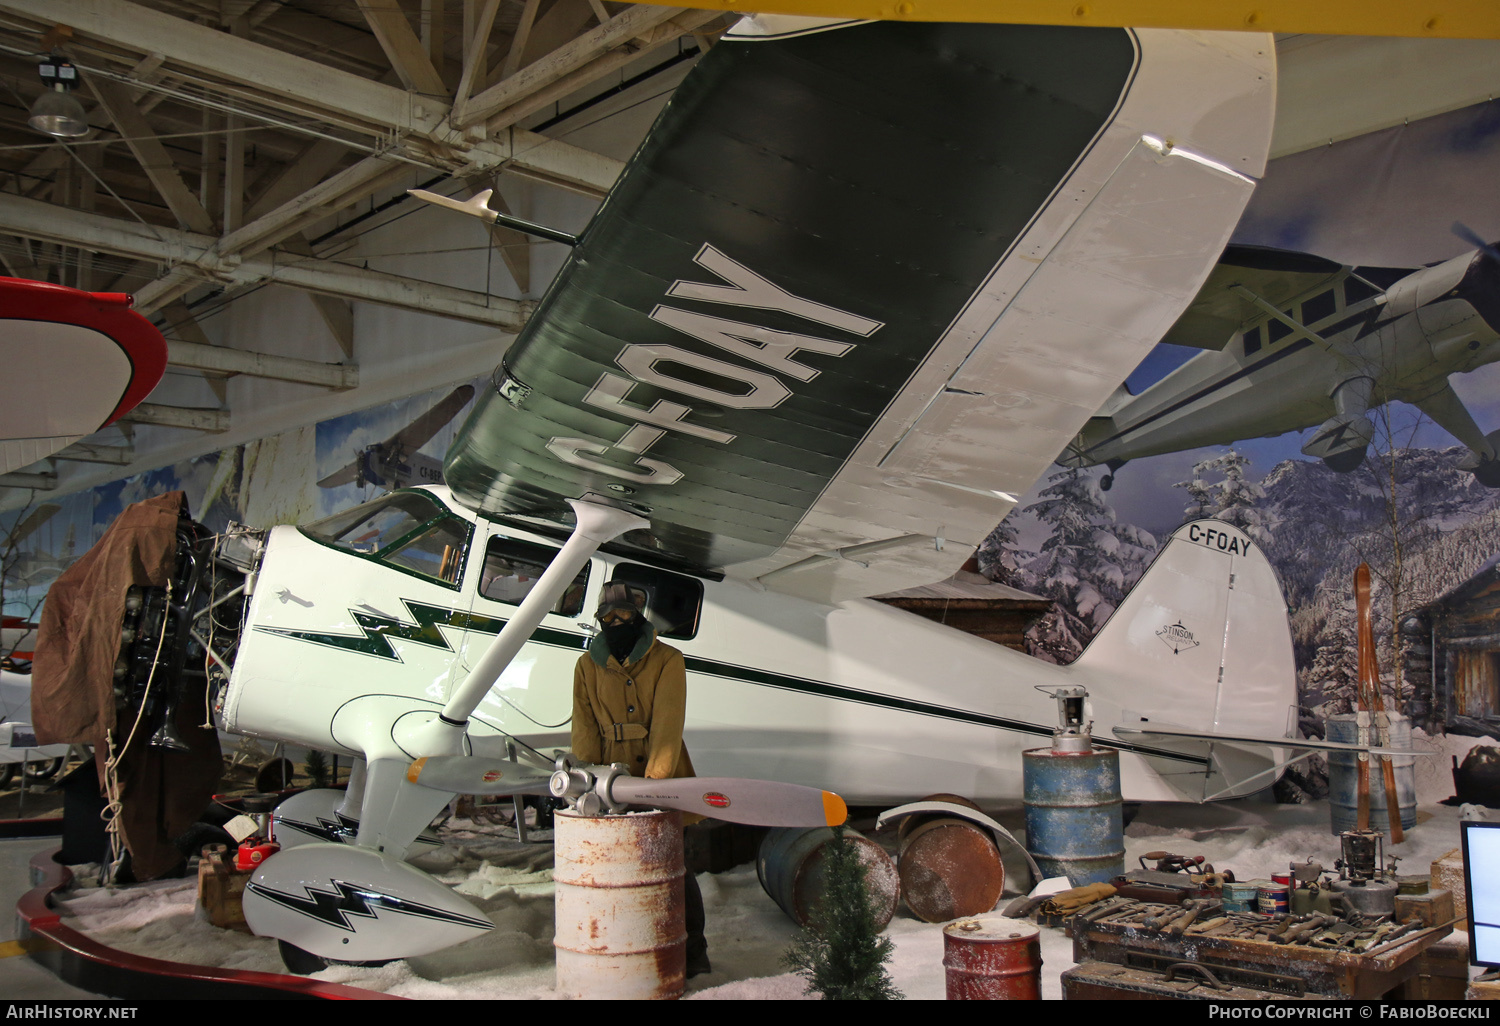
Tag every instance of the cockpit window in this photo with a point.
(405, 529)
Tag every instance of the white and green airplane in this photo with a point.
(860, 284)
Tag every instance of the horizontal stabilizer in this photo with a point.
(1299, 743)
(476, 205)
(735, 800)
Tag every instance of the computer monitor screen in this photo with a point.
(1482, 882)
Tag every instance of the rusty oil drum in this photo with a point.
(793, 870)
(950, 867)
(619, 902)
(1074, 816)
(993, 959)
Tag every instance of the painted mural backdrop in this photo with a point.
(290, 478)
(1402, 198)
(1390, 199)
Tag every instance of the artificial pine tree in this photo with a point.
(842, 955)
(317, 768)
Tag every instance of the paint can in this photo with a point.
(1074, 822)
(619, 904)
(1343, 776)
(793, 870)
(950, 867)
(992, 959)
(1272, 898)
(1240, 896)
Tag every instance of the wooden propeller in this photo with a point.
(1371, 702)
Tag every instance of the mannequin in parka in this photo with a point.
(629, 703)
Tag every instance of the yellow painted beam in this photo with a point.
(1437, 19)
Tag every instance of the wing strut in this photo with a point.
(596, 524)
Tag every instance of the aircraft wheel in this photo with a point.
(7, 773)
(1106, 482)
(303, 963)
(44, 769)
(1488, 473)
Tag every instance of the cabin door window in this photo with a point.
(512, 568)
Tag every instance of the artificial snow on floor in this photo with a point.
(747, 933)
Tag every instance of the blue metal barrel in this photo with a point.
(1343, 777)
(1074, 826)
(793, 870)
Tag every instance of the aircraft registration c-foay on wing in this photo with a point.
(858, 287)
(1304, 341)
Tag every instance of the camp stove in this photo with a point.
(1366, 882)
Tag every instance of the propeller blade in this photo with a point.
(1470, 236)
(736, 800)
(344, 475)
(470, 774)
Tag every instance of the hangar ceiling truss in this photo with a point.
(223, 131)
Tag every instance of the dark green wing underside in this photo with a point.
(880, 170)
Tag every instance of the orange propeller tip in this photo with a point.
(415, 769)
(835, 812)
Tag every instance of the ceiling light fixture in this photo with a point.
(56, 112)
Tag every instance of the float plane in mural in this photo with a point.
(859, 286)
(395, 462)
(1300, 341)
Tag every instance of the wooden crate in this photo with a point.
(1448, 873)
(1442, 972)
(1105, 981)
(221, 890)
(1332, 973)
(1432, 908)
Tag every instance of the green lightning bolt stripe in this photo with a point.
(424, 628)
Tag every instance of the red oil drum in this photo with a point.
(993, 959)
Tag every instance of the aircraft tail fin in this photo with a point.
(1201, 642)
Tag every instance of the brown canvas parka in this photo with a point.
(632, 713)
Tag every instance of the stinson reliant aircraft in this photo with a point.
(1297, 341)
(858, 287)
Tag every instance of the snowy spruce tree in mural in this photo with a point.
(1002, 559)
(1086, 565)
(1231, 498)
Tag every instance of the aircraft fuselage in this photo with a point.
(1357, 353)
(341, 648)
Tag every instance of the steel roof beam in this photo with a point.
(193, 260)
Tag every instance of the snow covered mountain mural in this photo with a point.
(1400, 482)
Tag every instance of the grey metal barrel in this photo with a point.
(1343, 777)
(1074, 821)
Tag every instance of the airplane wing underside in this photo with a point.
(1224, 305)
(861, 284)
